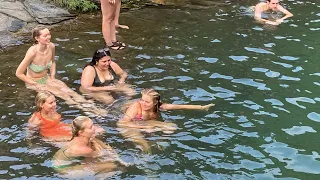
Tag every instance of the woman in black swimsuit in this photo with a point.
(99, 78)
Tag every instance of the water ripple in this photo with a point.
(301, 99)
(314, 116)
(208, 59)
(223, 93)
(220, 76)
(239, 58)
(289, 58)
(294, 160)
(258, 50)
(251, 82)
(297, 130)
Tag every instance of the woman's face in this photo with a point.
(49, 105)
(147, 102)
(44, 37)
(104, 62)
(88, 130)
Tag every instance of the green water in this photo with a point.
(264, 81)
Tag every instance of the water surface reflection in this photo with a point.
(264, 83)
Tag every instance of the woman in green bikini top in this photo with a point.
(83, 148)
(40, 67)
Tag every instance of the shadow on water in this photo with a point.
(264, 82)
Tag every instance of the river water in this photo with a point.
(264, 81)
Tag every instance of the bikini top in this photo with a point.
(98, 83)
(39, 68)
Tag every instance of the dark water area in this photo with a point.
(263, 79)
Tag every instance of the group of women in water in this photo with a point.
(100, 78)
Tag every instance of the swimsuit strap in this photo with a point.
(97, 81)
(140, 109)
(65, 154)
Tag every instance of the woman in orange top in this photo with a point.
(47, 120)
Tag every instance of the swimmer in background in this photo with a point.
(142, 116)
(84, 153)
(272, 5)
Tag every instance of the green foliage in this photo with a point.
(82, 5)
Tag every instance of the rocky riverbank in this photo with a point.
(18, 17)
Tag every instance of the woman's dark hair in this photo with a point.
(97, 55)
(155, 96)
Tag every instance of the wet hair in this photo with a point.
(41, 98)
(97, 55)
(155, 97)
(78, 125)
(36, 32)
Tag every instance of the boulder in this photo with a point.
(15, 9)
(17, 18)
(46, 13)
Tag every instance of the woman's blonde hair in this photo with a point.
(41, 98)
(155, 97)
(36, 32)
(78, 124)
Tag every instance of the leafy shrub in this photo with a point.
(82, 5)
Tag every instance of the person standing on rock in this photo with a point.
(40, 65)
(109, 14)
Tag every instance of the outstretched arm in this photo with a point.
(185, 106)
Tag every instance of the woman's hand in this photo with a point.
(279, 21)
(275, 23)
(206, 107)
(121, 82)
(55, 81)
(110, 88)
(37, 86)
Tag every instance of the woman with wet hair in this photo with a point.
(40, 67)
(47, 120)
(142, 115)
(85, 154)
(99, 78)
